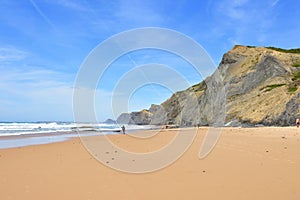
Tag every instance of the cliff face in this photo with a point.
(252, 85)
(262, 85)
(139, 118)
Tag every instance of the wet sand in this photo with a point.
(246, 163)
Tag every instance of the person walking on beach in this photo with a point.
(297, 122)
(123, 129)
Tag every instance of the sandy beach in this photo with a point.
(246, 163)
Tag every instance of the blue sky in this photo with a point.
(44, 42)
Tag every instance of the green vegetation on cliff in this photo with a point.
(285, 50)
(292, 89)
(296, 64)
(296, 76)
(271, 87)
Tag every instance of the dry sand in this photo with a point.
(246, 163)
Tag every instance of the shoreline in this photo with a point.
(13, 141)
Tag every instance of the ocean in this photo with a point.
(19, 134)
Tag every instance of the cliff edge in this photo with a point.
(252, 85)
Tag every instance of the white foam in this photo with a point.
(13, 129)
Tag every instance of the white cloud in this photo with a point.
(42, 14)
(35, 94)
(11, 54)
(33, 78)
(137, 12)
(233, 9)
(243, 21)
(75, 5)
(274, 3)
(120, 15)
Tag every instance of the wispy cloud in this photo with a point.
(274, 3)
(18, 79)
(70, 4)
(42, 14)
(41, 93)
(241, 21)
(12, 54)
(233, 9)
(138, 12)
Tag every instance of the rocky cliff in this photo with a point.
(252, 85)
